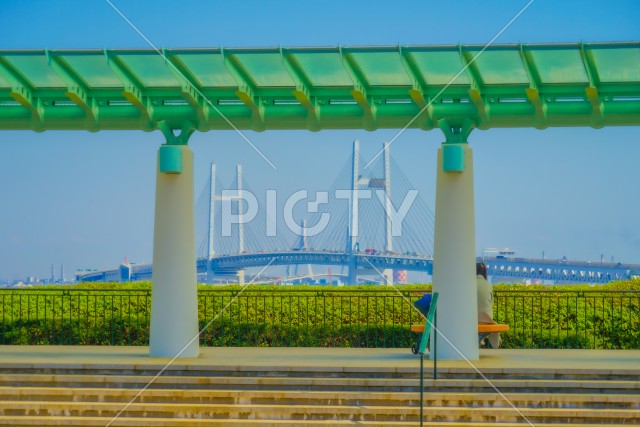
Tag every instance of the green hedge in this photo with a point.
(606, 316)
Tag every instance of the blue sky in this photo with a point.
(86, 200)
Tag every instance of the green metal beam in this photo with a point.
(246, 91)
(532, 92)
(190, 90)
(134, 91)
(359, 92)
(77, 90)
(591, 92)
(417, 92)
(528, 85)
(302, 91)
(475, 90)
(23, 92)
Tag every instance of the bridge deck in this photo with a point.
(510, 268)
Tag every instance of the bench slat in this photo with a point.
(482, 329)
(494, 327)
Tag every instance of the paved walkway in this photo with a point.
(311, 359)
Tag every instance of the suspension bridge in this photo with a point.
(358, 225)
(370, 254)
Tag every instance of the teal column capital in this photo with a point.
(170, 159)
(170, 154)
(453, 157)
(453, 149)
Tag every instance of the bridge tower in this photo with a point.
(240, 222)
(211, 231)
(352, 229)
(233, 198)
(388, 243)
(303, 244)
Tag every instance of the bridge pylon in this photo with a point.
(352, 228)
(303, 245)
(211, 230)
(357, 182)
(388, 243)
(240, 222)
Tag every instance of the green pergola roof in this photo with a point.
(536, 85)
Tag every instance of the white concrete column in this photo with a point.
(174, 307)
(454, 260)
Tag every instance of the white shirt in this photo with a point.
(485, 300)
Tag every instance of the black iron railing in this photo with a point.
(325, 317)
(308, 318)
(253, 317)
(569, 319)
(75, 317)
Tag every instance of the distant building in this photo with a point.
(400, 276)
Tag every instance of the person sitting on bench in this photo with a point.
(423, 304)
(485, 303)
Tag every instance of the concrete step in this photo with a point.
(159, 422)
(318, 384)
(173, 422)
(266, 397)
(85, 386)
(321, 371)
(210, 411)
(320, 412)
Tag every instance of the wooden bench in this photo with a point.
(483, 331)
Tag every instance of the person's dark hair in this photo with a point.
(481, 269)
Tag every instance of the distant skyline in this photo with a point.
(86, 200)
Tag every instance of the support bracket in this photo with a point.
(245, 91)
(24, 93)
(77, 90)
(456, 135)
(474, 91)
(302, 92)
(133, 90)
(417, 92)
(597, 113)
(532, 92)
(540, 107)
(190, 90)
(188, 128)
(359, 92)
